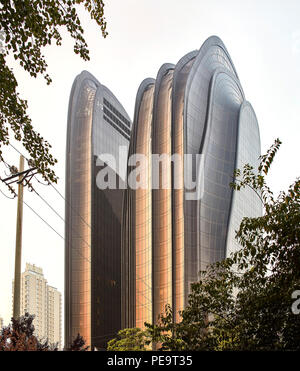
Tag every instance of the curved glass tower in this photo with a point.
(133, 248)
(97, 125)
(170, 234)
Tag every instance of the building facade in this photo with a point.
(131, 250)
(97, 142)
(195, 110)
(42, 301)
(54, 328)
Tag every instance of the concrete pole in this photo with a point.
(18, 254)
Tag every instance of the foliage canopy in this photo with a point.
(245, 301)
(132, 339)
(19, 336)
(26, 26)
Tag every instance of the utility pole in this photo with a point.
(22, 178)
(18, 253)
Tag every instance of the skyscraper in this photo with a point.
(195, 110)
(97, 125)
(130, 250)
(42, 301)
(34, 298)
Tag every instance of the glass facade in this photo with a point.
(162, 197)
(204, 241)
(78, 216)
(181, 74)
(143, 235)
(199, 108)
(244, 202)
(93, 215)
(219, 148)
(136, 266)
(132, 250)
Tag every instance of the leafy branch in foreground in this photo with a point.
(132, 339)
(26, 27)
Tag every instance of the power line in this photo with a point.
(63, 221)
(50, 208)
(18, 151)
(54, 230)
(57, 191)
(49, 205)
(139, 278)
(139, 292)
(86, 223)
(144, 305)
(54, 210)
(10, 198)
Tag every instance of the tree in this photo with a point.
(245, 301)
(78, 345)
(26, 26)
(130, 339)
(19, 336)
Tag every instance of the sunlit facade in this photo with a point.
(44, 302)
(97, 124)
(194, 107)
(132, 250)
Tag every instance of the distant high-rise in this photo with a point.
(42, 301)
(97, 125)
(195, 110)
(54, 316)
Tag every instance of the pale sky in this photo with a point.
(263, 39)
